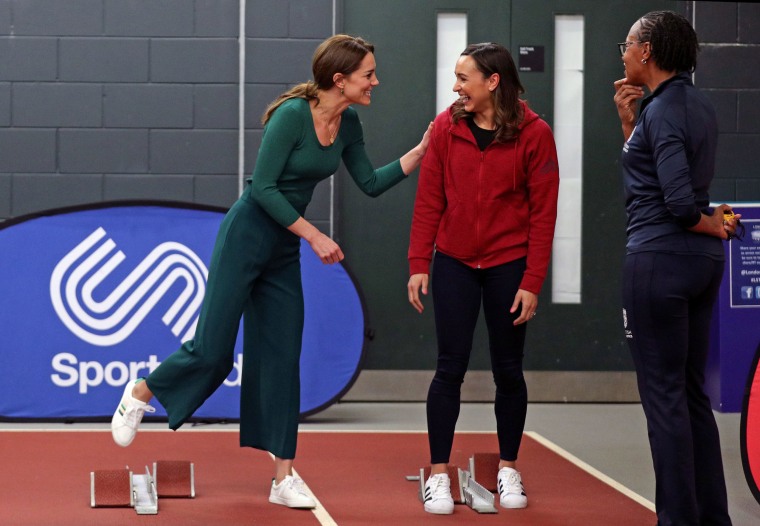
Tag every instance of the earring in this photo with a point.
(643, 61)
(341, 91)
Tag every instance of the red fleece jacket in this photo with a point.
(491, 207)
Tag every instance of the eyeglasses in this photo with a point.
(625, 45)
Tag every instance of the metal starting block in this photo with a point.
(120, 488)
(464, 489)
(144, 493)
(476, 496)
(484, 467)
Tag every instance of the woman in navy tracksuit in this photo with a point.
(674, 263)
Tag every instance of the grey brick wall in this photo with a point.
(116, 99)
(282, 38)
(727, 71)
(137, 99)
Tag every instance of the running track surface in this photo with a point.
(358, 479)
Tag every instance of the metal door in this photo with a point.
(375, 233)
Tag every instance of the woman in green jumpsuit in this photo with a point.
(255, 269)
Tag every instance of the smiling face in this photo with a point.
(474, 89)
(357, 87)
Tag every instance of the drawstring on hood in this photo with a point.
(529, 117)
(468, 208)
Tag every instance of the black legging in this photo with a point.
(458, 291)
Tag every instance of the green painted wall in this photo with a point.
(374, 234)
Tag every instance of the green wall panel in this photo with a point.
(374, 234)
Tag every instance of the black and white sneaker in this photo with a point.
(511, 490)
(437, 496)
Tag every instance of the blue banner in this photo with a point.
(735, 331)
(94, 297)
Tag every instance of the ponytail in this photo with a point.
(338, 54)
(305, 90)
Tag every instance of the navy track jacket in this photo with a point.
(668, 163)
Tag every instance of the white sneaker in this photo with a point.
(437, 496)
(127, 416)
(291, 492)
(511, 491)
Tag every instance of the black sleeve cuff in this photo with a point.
(689, 221)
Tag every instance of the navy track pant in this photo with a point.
(668, 301)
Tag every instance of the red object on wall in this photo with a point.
(750, 428)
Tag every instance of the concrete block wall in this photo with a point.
(138, 99)
(729, 33)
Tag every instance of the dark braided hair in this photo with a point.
(673, 41)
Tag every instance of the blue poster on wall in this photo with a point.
(735, 331)
(93, 297)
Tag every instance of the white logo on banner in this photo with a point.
(121, 312)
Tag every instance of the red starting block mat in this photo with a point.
(484, 468)
(174, 478)
(111, 488)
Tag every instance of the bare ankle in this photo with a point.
(141, 392)
(438, 469)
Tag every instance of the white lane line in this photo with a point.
(319, 511)
(591, 470)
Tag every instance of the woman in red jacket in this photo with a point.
(486, 206)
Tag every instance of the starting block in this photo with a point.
(476, 496)
(122, 488)
(145, 495)
(484, 467)
(456, 492)
(111, 488)
(464, 489)
(175, 478)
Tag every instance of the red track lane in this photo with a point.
(358, 477)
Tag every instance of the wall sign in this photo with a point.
(744, 266)
(93, 297)
(531, 58)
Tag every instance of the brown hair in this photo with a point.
(338, 54)
(493, 58)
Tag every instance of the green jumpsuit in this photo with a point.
(255, 273)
